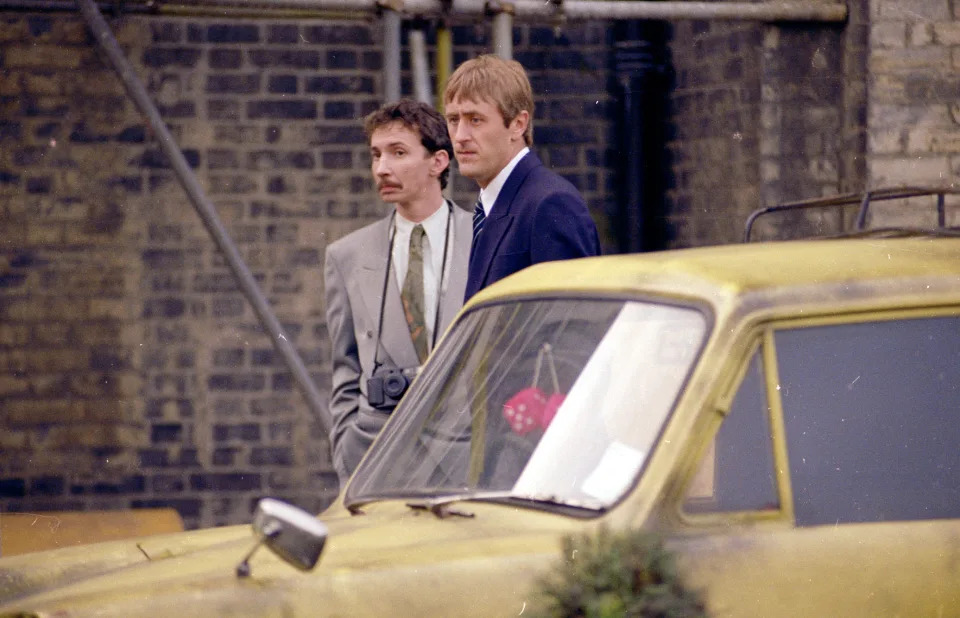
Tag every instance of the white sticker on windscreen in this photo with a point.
(614, 473)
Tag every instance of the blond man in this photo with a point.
(525, 213)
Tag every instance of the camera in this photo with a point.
(387, 386)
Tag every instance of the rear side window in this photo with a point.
(872, 420)
(736, 473)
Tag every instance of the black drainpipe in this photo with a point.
(641, 74)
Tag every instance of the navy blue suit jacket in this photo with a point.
(538, 217)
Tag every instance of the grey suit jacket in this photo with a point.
(353, 278)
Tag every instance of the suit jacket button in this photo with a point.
(368, 334)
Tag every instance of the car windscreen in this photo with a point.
(550, 399)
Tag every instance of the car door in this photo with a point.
(832, 483)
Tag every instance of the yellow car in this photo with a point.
(785, 414)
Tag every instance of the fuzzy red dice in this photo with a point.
(524, 411)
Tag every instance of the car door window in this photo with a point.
(737, 473)
(872, 419)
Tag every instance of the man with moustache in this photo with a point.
(393, 286)
(526, 214)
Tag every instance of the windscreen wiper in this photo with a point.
(440, 506)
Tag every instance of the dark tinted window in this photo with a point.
(737, 473)
(872, 414)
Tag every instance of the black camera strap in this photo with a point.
(383, 292)
(386, 282)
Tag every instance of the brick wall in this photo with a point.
(801, 123)
(715, 147)
(68, 269)
(132, 370)
(765, 113)
(914, 113)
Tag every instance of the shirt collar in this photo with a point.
(435, 226)
(490, 193)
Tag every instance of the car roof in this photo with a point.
(717, 272)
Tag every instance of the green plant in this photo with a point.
(614, 574)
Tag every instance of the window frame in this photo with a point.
(760, 341)
(761, 337)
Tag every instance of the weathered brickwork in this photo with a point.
(68, 269)
(801, 118)
(716, 109)
(852, 161)
(765, 113)
(914, 113)
(134, 372)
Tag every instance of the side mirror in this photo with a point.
(292, 533)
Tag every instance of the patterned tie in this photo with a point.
(478, 218)
(412, 294)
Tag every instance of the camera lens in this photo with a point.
(394, 385)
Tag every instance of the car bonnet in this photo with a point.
(391, 560)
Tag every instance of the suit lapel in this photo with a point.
(394, 338)
(502, 206)
(452, 298)
(500, 219)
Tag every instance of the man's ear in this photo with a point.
(518, 126)
(441, 161)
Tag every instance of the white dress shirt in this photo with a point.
(435, 228)
(489, 194)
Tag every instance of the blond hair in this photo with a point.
(493, 79)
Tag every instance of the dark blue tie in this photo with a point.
(478, 218)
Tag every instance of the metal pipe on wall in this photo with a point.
(391, 55)
(208, 214)
(640, 9)
(503, 31)
(444, 61)
(419, 65)
(444, 68)
(769, 11)
(639, 65)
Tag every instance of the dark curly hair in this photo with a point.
(418, 117)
